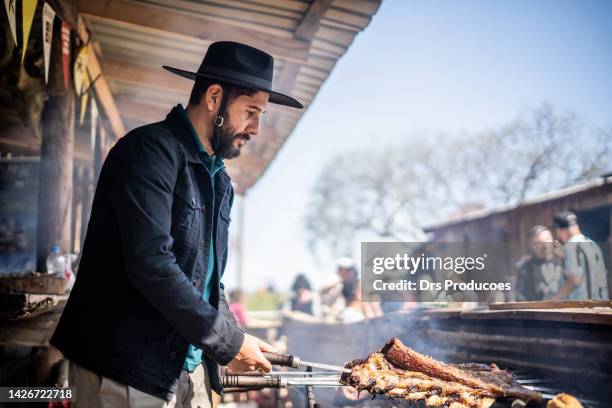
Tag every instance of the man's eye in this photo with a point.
(251, 113)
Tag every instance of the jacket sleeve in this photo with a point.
(224, 306)
(144, 172)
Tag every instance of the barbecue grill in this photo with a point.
(549, 349)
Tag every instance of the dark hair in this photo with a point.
(301, 282)
(230, 91)
(564, 219)
(349, 291)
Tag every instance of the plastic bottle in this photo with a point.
(56, 262)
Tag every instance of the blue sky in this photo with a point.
(423, 67)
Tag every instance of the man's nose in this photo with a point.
(254, 127)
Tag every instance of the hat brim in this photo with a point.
(276, 98)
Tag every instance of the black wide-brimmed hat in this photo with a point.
(241, 65)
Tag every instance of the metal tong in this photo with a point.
(284, 379)
(289, 360)
(244, 382)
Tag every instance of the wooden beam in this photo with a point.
(20, 140)
(101, 86)
(551, 304)
(286, 78)
(305, 30)
(167, 19)
(39, 283)
(141, 111)
(158, 77)
(312, 19)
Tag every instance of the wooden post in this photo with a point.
(43, 359)
(56, 163)
(86, 202)
(75, 204)
(99, 151)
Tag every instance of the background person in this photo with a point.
(354, 311)
(539, 273)
(303, 299)
(584, 269)
(332, 299)
(237, 307)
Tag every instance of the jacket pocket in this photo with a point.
(185, 216)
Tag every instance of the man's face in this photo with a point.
(346, 274)
(242, 121)
(542, 245)
(562, 234)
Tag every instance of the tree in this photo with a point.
(392, 193)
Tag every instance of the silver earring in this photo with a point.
(219, 120)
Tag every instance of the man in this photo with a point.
(147, 322)
(585, 271)
(539, 276)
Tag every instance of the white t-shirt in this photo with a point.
(350, 315)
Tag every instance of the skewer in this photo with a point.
(313, 383)
(312, 380)
(302, 373)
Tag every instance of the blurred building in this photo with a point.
(591, 201)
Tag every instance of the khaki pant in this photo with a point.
(96, 391)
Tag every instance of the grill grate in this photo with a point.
(550, 388)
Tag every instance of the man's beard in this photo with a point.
(226, 137)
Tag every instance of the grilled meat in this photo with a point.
(497, 382)
(378, 376)
(397, 371)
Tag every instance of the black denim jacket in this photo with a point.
(137, 302)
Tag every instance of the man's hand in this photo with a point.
(250, 357)
(571, 283)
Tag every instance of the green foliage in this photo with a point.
(263, 300)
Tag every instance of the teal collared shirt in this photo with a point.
(213, 164)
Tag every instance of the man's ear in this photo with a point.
(213, 97)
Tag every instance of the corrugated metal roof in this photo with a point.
(306, 38)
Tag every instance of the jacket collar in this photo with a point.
(182, 132)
